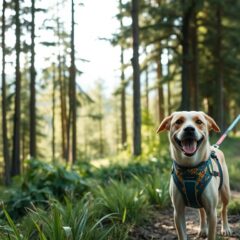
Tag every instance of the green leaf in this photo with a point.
(41, 234)
(124, 215)
(12, 225)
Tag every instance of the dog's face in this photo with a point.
(188, 131)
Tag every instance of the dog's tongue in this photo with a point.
(189, 146)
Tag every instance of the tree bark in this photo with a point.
(187, 16)
(15, 168)
(63, 109)
(160, 92)
(195, 63)
(7, 164)
(123, 92)
(219, 84)
(73, 92)
(32, 88)
(168, 86)
(101, 146)
(136, 81)
(61, 80)
(147, 92)
(53, 113)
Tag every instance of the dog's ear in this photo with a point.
(165, 124)
(212, 124)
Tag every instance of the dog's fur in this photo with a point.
(201, 124)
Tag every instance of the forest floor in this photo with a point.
(161, 225)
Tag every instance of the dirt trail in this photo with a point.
(161, 226)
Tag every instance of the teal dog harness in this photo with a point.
(191, 181)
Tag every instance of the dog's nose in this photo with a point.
(189, 129)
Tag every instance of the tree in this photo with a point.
(32, 87)
(16, 164)
(73, 101)
(188, 10)
(53, 112)
(219, 84)
(123, 89)
(160, 90)
(4, 103)
(136, 81)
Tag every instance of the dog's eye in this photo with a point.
(179, 121)
(199, 122)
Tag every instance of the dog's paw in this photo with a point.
(226, 231)
(203, 233)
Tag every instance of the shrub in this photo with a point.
(126, 173)
(41, 182)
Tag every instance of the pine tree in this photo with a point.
(33, 152)
(16, 164)
(4, 103)
(136, 81)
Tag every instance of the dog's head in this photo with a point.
(188, 131)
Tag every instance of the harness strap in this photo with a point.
(220, 173)
(191, 181)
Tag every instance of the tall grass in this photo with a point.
(128, 203)
(69, 221)
(156, 188)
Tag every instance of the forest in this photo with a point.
(80, 157)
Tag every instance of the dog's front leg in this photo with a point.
(203, 231)
(212, 223)
(180, 224)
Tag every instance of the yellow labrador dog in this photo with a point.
(200, 175)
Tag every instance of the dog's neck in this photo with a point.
(201, 155)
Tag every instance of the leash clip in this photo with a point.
(216, 146)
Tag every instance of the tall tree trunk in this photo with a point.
(69, 120)
(168, 86)
(123, 104)
(53, 113)
(195, 63)
(187, 16)
(123, 92)
(136, 81)
(73, 95)
(101, 146)
(219, 101)
(160, 92)
(32, 88)
(147, 92)
(63, 109)
(6, 156)
(15, 168)
(62, 80)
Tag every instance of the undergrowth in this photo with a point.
(53, 202)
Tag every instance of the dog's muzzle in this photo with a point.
(189, 143)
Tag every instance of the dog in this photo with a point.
(190, 149)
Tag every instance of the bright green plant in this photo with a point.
(69, 221)
(128, 203)
(9, 230)
(73, 221)
(156, 188)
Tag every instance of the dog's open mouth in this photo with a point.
(189, 146)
